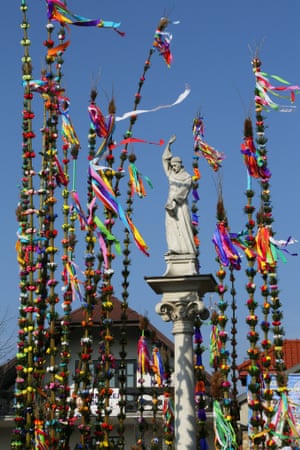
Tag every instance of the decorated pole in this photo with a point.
(254, 370)
(24, 395)
(267, 258)
(225, 423)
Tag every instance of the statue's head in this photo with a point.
(176, 163)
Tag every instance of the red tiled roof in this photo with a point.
(291, 351)
(133, 319)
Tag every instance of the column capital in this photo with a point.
(182, 313)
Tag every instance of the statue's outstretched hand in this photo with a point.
(172, 139)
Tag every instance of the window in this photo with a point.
(128, 370)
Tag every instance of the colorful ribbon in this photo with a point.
(225, 249)
(144, 360)
(58, 12)
(137, 112)
(264, 88)
(212, 156)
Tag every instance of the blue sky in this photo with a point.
(212, 48)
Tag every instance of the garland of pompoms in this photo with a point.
(246, 240)
(268, 267)
(228, 257)
(200, 387)
(54, 178)
(235, 408)
(262, 174)
(214, 159)
(24, 389)
(107, 358)
(70, 280)
(197, 129)
(83, 379)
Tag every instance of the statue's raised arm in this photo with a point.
(179, 232)
(167, 156)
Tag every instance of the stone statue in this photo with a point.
(180, 239)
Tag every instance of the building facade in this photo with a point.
(148, 401)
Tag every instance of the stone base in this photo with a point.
(180, 265)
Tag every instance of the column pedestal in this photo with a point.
(181, 302)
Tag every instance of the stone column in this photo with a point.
(181, 302)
